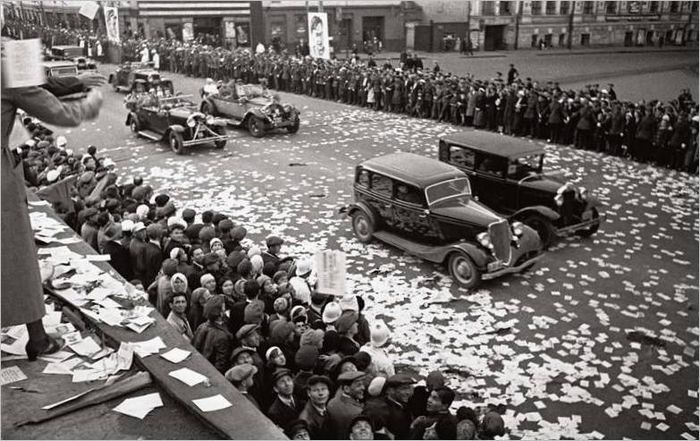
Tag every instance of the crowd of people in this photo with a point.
(311, 362)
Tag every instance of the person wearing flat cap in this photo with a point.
(274, 246)
(315, 412)
(241, 376)
(347, 404)
(284, 409)
(298, 429)
(392, 410)
(211, 338)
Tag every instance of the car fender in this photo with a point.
(176, 128)
(365, 208)
(480, 257)
(540, 210)
(131, 117)
(257, 113)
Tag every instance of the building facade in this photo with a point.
(360, 23)
(496, 25)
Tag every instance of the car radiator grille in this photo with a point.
(500, 239)
(569, 206)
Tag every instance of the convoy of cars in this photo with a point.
(127, 75)
(484, 208)
(252, 107)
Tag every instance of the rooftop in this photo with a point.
(412, 168)
(494, 143)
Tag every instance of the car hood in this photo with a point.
(544, 182)
(466, 210)
(182, 112)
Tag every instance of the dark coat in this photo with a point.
(119, 258)
(585, 121)
(152, 260)
(215, 343)
(394, 416)
(137, 254)
(646, 128)
(556, 113)
(320, 426)
(681, 134)
(282, 415)
(342, 409)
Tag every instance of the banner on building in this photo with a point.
(187, 32)
(89, 9)
(318, 35)
(112, 22)
(331, 271)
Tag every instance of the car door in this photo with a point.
(410, 213)
(489, 182)
(380, 197)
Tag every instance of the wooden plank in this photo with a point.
(240, 421)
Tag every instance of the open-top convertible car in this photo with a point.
(506, 174)
(73, 54)
(425, 207)
(252, 107)
(128, 73)
(176, 120)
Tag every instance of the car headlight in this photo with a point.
(559, 199)
(484, 240)
(517, 228)
(191, 122)
(210, 120)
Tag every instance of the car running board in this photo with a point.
(150, 135)
(427, 252)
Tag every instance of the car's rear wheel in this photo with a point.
(176, 143)
(256, 126)
(463, 270)
(294, 127)
(588, 232)
(544, 229)
(362, 226)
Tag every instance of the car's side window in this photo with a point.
(363, 178)
(491, 165)
(381, 185)
(409, 193)
(462, 157)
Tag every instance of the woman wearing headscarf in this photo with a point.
(178, 285)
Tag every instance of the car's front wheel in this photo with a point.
(176, 143)
(222, 143)
(544, 229)
(256, 126)
(362, 226)
(463, 270)
(294, 127)
(588, 232)
(135, 127)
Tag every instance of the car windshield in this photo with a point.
(519, 168)
(251, 90)
(447, 190)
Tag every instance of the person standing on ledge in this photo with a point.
(22, 297)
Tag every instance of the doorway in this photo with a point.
(494, 37)
(207, 28)
(372, 27)
(629, 35)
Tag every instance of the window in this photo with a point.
(488, 8)
(491, 165)
(363, 178)
(693, 6)
(536, 8)
(551, 8)
(610, 7)
(409, 193)
(461, 157)
(381, 184)
(505, 8)
(653, 7)
(300, 27)
(588, 7)
(564, 8)
(524, 166)
(674, 7)
(585, 39)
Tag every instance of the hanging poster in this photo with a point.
(318, 35)
(230, 30)
(187, 32)
(89, 9)
(112, 22)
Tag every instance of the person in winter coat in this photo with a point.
(530, 115)
(555, 119)
(347, 403)
(211, 338)
(679, 142)
(645, 135)
(315, 411)
(615, 133)
(584, 126)
(119, 256)
(381, 364)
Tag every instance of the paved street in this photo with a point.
(567, 362)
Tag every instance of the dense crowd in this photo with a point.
(312, 363)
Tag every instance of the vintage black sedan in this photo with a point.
(252, 107)
(426, 208)
(126, 75)
(506, 174)
(177, 121)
